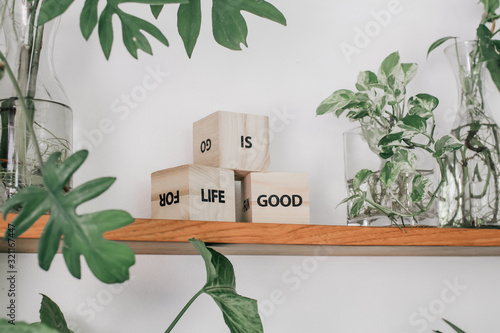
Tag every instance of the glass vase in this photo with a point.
(361, 152)
(470, 197)
(28, 49)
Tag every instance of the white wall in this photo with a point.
(285, 71)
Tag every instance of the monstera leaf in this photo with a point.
(228, 25)
(83, 234)
(240, 313)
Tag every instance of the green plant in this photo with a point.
(240, 313)
(471, 197)
(393, 127)
(83, 234)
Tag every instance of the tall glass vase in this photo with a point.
(471, 195)
(28, 50)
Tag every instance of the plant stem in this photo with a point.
(184, 309)
(24, 108)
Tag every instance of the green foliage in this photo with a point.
(83, 234)
(228, 25)
(51, 316)
(393, 127)
(487, 47)
(240, 313)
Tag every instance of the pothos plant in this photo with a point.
(83, 234)
(393, 127)
(471, 198)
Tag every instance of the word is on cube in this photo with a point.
(193, 192)
(276, 197)
(230, 140)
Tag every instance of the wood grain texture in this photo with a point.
(228, 133)
(147, 236)
(273, 185)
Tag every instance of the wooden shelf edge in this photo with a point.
(149, 236)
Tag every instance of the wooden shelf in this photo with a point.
(147, 236)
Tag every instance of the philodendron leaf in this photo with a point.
(336, 102)
(83, 234)
(438, 43)
(447, 143)
(51, 9)
(228, 25)
(240, 313)
(89, 17)
(51, 315)
(189, 24)
(361, 177)
(20, 327)
(390, 172)
(156, 10)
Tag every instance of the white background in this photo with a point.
(285, 73)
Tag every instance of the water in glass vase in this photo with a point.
(19, 166)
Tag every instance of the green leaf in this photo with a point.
(366, 80)
(390, 138)
(386, 152)
(361, 177)
(21, 327)
(240, 313)
(458, 330)
(51, 315)
(51, 9)
(389, 64)
(490, 6)
(489, 48)
(406, 157)
(424, 101)
(336, 102)
(419, 188)
(228, 25)
(83, 234)
(89, 18)
(156, 10)
(494, 68)
(438, 43)
(189, 24)
(390, 172)
(357, 206)
(409, 70)
(134, 39)
(413, 123)
(447, 143)
(348, 199)
(105, 30)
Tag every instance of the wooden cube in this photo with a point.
(193, 192)
(276, 197)
(235, 141)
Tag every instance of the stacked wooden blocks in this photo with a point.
(229, 146)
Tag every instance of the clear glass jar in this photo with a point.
(28, 49)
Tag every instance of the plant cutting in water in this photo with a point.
(471, 196)
(83, 234)
(393, 127)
